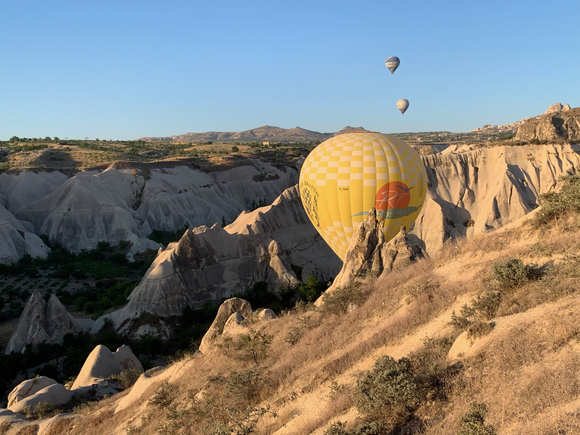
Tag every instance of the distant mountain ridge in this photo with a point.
(264, 133)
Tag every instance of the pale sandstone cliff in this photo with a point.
(480, 190)
(208, 264)
(126, 204)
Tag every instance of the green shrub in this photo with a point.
(127, 378)
(558, 204)
(248, 347)
(432, 355)
(474, 318)
(487, 304)
(45, 410)
(511, 273)
(294, 335)
(246, 387)
(339, 301)
(311, 289)
(164, 395)
(464, 319)
(372, 428)
(473, 423)
(388, 393)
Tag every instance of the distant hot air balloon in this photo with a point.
(403, 105)
(392, 63)
(347, 175)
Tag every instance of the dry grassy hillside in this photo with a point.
(482, 338)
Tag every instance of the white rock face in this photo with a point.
(471, 192)
(209, 264)
(16, 240)
(267, 314)
(173, 197)
(99, 365)
(125, 356)
(227, 310)
(28, 186)
(90, 207)
(41, 322)
(234, 325)
(124, 204)
(28, 388)
(55, 394)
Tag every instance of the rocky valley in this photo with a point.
(466, 307)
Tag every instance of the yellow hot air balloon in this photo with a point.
(347, 175)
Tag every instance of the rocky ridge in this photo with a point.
(41, 322)
(126, 204)
(551, 126)
(209, 264)
(470, 192)
(264, 133)
(514, 126)
(369, 254)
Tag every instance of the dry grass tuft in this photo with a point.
(31, 429)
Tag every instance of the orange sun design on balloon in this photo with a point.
(393, 195)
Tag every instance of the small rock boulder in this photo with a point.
(99, 365)
(234, 325)
(229, 307)
(54, 395)
(28, 388)
(267, 313)
(125, 356)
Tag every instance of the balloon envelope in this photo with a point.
(403, 105)
(392, 63)
(347, 175)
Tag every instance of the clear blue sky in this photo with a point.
(125, 69)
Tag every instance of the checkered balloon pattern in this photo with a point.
(347, 175)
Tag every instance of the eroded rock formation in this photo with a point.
(127, 203)
(209, 264)
(41, 322)
(474, 191)
(370, 253)
(553, 125)
(229, 308)
(17, 239)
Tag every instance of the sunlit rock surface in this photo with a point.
(473, 191)
(209, 264)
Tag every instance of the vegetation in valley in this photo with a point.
(90, 281)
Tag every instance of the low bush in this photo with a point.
(389, 392)
(555, 205)
(340, 300)
(247, 387)
(372, 428)
(474, 318)
(127, 378)
(511, 273)
(247, 347)
(45, 410)
(164, 395)
(473, 423)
